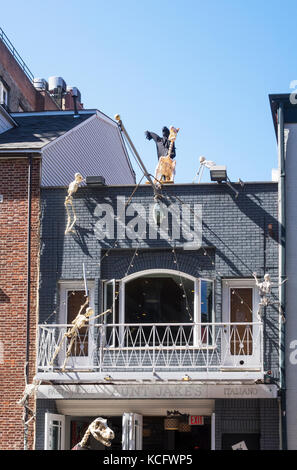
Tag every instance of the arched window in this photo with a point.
(159, 296)
(159, 307)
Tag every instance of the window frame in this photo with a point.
(244, 283)
(64, 288)
(48, 425)
(197, 300)
(4, 88)
(248, 283)
(147, 272)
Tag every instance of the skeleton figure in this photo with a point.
(100, 431)
(30, 389)
(203, 164)
(207, 163)
(264, 290)
(79, 322)
(73, 187)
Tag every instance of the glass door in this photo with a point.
(54, 432)
(132, 431)
(240, 337)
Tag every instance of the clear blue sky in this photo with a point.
(204, 66)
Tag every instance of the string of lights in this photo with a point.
(132, 260)
(115, 244)
(188, 309)
(218, 273)
(205, 253)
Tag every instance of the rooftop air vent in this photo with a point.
(75, 92)
(40, 84)
(55, 83)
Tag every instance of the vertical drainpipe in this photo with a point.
(282, 272)
(29, 185)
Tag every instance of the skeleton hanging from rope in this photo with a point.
(73, 187)
(264, 291)
(30, 389)
(100, 431)
(80, 321)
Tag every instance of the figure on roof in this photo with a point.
(162, 143)
(165, 170)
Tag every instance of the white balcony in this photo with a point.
(220, 351)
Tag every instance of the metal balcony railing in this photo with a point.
(206, 347)
(16, 55)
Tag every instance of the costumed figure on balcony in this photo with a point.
(100, 431)
(80, 321)
(71, 214)
(165, 170)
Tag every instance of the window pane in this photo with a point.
(241, 302)
(160, 299)
(206, 301)
(55, 437)
(3, 94)
(206, 311)
(111, 301)
(241, 311)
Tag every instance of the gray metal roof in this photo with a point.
(35, 130)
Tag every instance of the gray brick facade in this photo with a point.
(239, 237)
(42, 407)
(248, 417)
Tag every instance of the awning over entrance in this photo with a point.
(156, 391)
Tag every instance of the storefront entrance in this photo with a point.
(137, 423)
(156, 437)
(151, 432)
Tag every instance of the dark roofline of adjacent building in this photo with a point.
(8, 116)
(290, 109)
(62, 113)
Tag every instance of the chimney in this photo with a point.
(72, 100)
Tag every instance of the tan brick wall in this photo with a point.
(13, 289)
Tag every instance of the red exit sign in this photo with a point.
(196, 420)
